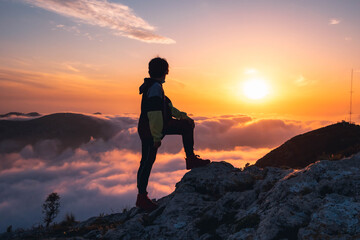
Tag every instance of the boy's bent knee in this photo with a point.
(186, 125)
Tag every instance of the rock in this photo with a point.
(179, 225)
(94, 234)
(245, 234)
(218, 201)
(336, 216)
(222, 202)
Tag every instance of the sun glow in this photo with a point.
(255, 89)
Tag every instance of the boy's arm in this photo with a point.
(177, 113)
(181, 115)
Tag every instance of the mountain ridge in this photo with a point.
(18, 114)
(330, 142)
(70, 129)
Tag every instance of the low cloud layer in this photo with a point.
(100, 176)
(231, 132)
(215, 133)
(115, 16)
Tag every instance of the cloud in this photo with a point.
(71, 68)
(229, 133)
(334, 21)
(250, 71)
(115, 16)
(86, 185)
(24, 78)
(301, 81)
(225, 132)
(75, 30)
(83, 184)
(99, 176)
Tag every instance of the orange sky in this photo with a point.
(59, 60)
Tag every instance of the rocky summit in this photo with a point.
(333, 142)
(320, 201)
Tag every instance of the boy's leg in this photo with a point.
(146, 163)
(186, 130)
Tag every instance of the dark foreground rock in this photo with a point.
(331, 142)
(321, 201)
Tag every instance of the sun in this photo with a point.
(255, 89)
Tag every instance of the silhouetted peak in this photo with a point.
(331, 142)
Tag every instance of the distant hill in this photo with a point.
(31, 114)
(70, 129)
(332, 142)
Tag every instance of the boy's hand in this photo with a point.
(157, 144)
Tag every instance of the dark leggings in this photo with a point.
(178, 127)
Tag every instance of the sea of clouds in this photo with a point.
(99, 177)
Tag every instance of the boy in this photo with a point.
(159, 118)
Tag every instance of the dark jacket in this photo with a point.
(153, 100)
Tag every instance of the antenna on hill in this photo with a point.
(351, 92)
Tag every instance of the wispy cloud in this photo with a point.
(250, 71)
(334, 21)
(115, 16)
(75, 30)
(29, 79)
(302, 81)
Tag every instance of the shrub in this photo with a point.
(69, 220)
(51, 208)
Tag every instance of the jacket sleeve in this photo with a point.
(155, 115)
(177, 113)
(156, 124)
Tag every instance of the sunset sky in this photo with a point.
(92, 55)
(252, 74)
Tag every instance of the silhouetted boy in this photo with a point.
(159, 118)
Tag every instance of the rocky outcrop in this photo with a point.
(321, 201)
(331, 142)
(219, 201)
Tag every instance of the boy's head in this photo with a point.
(158, 67)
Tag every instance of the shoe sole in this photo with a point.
(198, 166)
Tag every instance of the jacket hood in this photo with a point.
(147, 83)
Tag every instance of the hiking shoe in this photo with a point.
(195, 161)
(145, 203)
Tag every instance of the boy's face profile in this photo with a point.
(166, 73)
